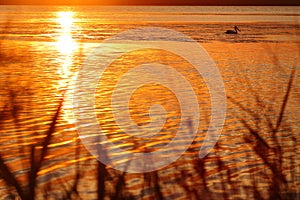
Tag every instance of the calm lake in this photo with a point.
(44, 50)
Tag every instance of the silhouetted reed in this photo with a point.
(36, 156)
(199, 167)
(270, 150)
(101, 180)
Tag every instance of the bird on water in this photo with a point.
(235, 31)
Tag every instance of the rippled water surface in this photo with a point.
(43, 49)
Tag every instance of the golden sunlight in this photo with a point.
(65, 19)
(65, 44)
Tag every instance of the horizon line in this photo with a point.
(149, 4)
(155, 2)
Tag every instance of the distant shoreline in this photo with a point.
(174, 5)
(28, 4)
(153, 3)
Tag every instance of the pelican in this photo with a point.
(235, 31)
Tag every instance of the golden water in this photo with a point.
(38, 72)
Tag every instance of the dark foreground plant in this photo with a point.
(264, 138)
(36, 159)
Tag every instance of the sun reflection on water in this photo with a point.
(65, 43)
(66, 19)
(66, 47)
